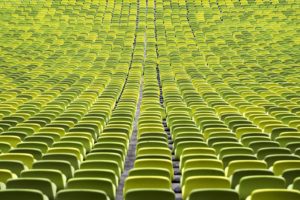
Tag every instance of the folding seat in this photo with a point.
(262, 153)
(150, 144)
(58, 123)
(6, 175)
(285, 140)
(11, 140)
(75, 194)
(43, 185)
(101, 156)
(248, 139)
(99, 184)
(224, 145)
(245, 130)
(209, 194)
(204, 182)
(212, 140)
(277, 131)
(146, 182)
(198, 151)
(256, 146)
(152, 139)
(190, 172)
(229, 158)
(271, 159)
(84, 140)
(102, 164)
(97, 173)
(62, 166)
(155, 163)
(150, 172)
(26, 194)
(248, 184)
(274, 194)
(74, 148)
(26, 159)
(279, 167)
(52, 135)
(209, 131)
(235, 151)
(111, 145)
(34, 145)
(147, 194)
(181, 146)
(244, 164)
(36, 153)
(56, 130)
(160, 153)
(202, 163)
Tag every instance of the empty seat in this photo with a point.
(274, 194)
(24, 194)
(99, 184)
(43, 185)
(75, 194)
(204, 182)
(149, 194)
(212, 194)
(249, 184)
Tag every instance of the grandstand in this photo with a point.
(149, 100)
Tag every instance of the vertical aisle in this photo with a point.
(131, 154)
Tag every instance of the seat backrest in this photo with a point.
(149, 194)
(224, 194)
(251, 183)
(24, 194)
(272, 194)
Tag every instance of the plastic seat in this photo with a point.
(181, 146)
(272, 194)
(200, 172)
(271, 159)
(5, 175)
(244, 164)
(211, 194)
(262, 153)
(150, 172)
(55, 176)
(249, 184)
(204, 182)
(75, 194)
(24, 194)
(71, 158)
(102, 164)
(99, 184)
(13, 165)
(146, 182)
(63, 166)
(235, 150)
(44, 185)
(97, 173)
(229, 158)
(280, 166)
(155, 163)
(290, 175)
(148, 194)
(202, 163)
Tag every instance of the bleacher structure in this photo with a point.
(149, 100)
